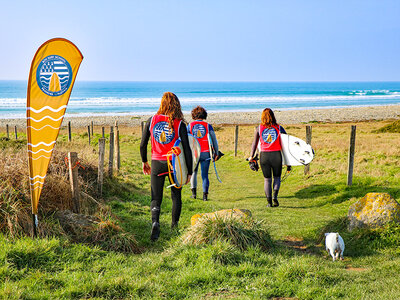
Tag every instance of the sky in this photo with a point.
(209, 40)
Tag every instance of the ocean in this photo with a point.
(134, 98)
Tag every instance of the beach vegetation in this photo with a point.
(392, 127)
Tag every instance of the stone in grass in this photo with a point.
(236, 213)
(374, 210)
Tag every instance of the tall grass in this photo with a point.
(241, 233)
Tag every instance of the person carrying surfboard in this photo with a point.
(202, 131)
(164, 128)
(268, 137)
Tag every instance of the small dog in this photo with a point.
(334, 244)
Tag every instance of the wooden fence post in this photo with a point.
(8, 132)
(16, 132)
(69, 132)
(73, 178)
(111, 154)
(117, 150)
(100, 175)
(308, 141)
(236, 138)
(88, 131)
(352, 148)
(102, 132)
(91, 125)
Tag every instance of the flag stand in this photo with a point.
(35, 224)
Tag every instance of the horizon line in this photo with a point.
(226, 81)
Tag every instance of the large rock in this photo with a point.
(374, 210)
(235, 213)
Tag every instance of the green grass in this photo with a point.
(297, 266)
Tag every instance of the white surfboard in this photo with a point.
(196, 150)
(295, 152)
(180, 171)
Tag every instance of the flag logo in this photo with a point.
(199, 131)
(54, 75)
(162, 133)
(269, 135)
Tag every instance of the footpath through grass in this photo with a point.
(297, 267)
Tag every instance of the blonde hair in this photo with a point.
(171, 107)
(268, 118)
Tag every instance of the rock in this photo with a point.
(374, 210)
(236, 213)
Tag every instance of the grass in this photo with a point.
(296, 267)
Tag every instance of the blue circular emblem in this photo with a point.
(199, 131)
(54, 75)
(162, 133)
(269, 135)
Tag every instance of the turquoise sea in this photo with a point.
(131, 98)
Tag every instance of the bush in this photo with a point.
(240, 233)
(393, 127)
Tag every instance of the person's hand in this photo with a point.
(289, 168)
(146, 168)
(188, 179)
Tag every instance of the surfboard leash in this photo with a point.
(176, 151)
(287, 174)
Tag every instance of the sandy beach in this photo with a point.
(331, 115)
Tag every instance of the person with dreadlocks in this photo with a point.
(268, 135)
(200, 129)
(164, 128)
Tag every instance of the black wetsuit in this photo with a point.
(160, 167)
(271, 165)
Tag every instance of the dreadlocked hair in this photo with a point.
(171, 107)
(268, 118)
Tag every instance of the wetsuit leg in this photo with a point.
(265, 164)
(205, 166)
(267, 172)
(267, 187)
(276, 163)
(277, 172)
(157, 187)
(176, 196)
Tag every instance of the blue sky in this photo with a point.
(210, 40)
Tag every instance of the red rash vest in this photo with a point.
(270, 138)
(162, 137)
(199, 129)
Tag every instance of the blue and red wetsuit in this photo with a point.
(201, 130)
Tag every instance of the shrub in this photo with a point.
(240, 233)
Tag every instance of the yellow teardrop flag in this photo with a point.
(51, 78)
(163, 137)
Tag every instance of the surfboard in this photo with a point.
(179, 169)
(212, 154)
(196, 150)
(295, 151)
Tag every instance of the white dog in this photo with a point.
(334, 244)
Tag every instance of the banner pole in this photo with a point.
(35, 224)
